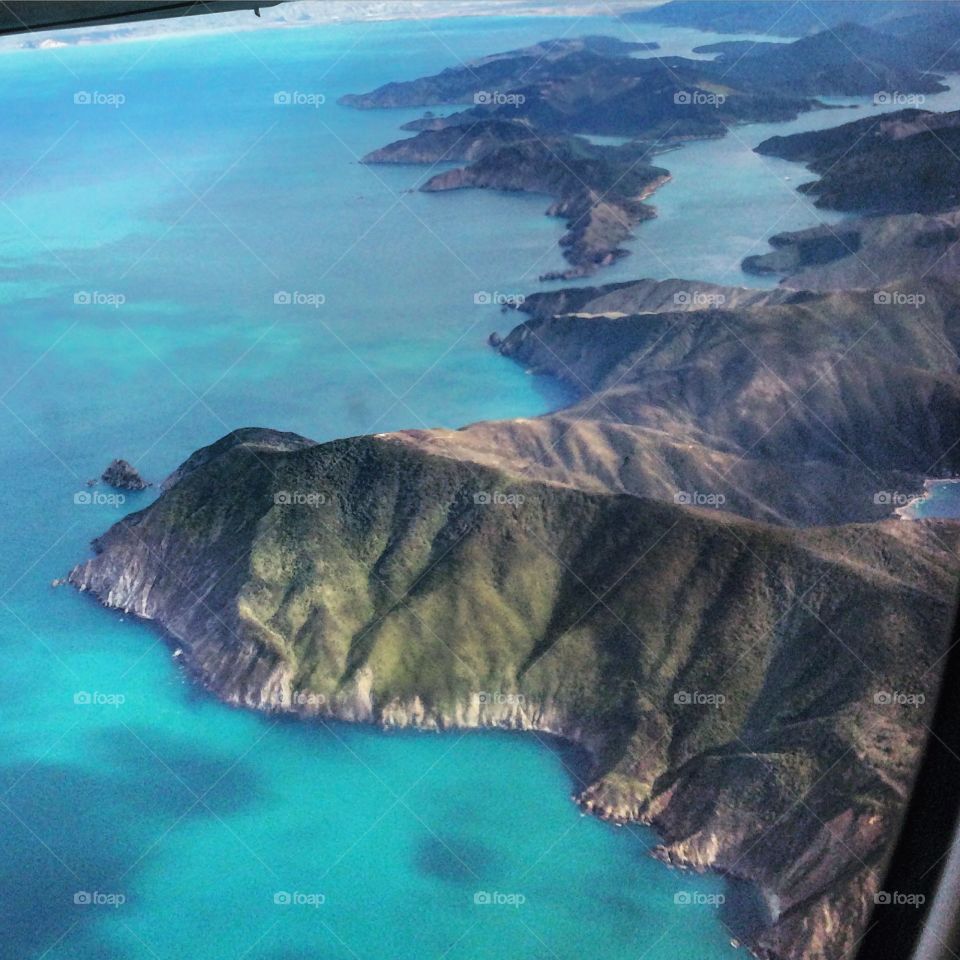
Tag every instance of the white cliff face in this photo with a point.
(245, 673)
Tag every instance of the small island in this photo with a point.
(123, 476)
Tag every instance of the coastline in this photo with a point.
(909, 510)
(651, 772)
(408, 718)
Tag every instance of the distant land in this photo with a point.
(904, 162)
(304, 13)
(903, 168)
(527, 112)
(788, 19)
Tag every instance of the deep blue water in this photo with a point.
(142, 248)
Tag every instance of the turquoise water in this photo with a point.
(142, 248)
(941, 499)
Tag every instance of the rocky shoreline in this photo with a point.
(598, 221)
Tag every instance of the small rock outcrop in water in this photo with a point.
(124, 476)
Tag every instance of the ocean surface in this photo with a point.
(940, 498)
(181, 256)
